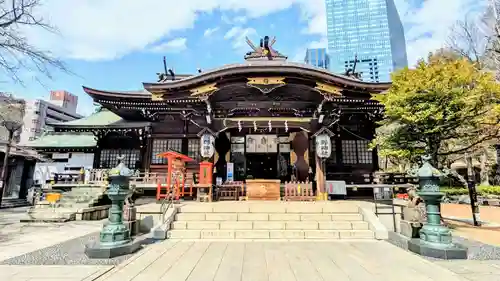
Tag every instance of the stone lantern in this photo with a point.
(435, 238)
(115, 237)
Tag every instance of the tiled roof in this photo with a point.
(101, 118)
(63, 140)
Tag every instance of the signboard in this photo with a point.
(60, 155)
(207, 146)
(336, 187)
(323, 146)
(230, 172)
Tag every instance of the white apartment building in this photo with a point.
(39, 113)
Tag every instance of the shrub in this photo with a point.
(481, 190)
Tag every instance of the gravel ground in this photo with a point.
(475, 250)
(70, 252)
(478, 250)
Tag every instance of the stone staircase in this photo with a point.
(14, 203)
(82, 203)
(270, 220)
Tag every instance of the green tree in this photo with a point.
(444, 106)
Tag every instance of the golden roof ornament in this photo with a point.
(264, 51)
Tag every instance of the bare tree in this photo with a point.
(11, 109)
(17, 53)
(467, 40)
(490, 24)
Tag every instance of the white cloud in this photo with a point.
(97, 30)
(240, 19)
(237, 34)
(176, 45)
(210, 31)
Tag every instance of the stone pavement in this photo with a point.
(51, 272)
(474, 270)
(185, 260)
(20, 238)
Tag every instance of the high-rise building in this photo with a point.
(39, 113)
(370, 30)
(317, 57)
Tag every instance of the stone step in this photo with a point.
(267, 217)
(8, 203)
(271, 207)
(270, 234)
(270, 225)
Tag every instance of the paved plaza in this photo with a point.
(287, 261)
(21, 238)
(270, 260)
(349, 260)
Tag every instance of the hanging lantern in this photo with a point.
(207, 147)
(270, 126)
(323, 146)
(239, 126)
(286, 126)
(254, 126)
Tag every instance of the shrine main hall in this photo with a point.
(264, 116)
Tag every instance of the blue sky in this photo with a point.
(118, 44)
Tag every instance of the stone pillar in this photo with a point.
(130, 218)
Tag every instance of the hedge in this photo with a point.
(481, 190)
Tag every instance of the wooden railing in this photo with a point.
(100, 176)
(299, 191)
(371, 178)
(97, 176)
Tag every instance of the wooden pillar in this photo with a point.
(148, 154)
(321, 194)
(228, 153)
(185, 140)
(293, 156)
(300, 154)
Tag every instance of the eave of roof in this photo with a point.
(281, 68)
(140, 94)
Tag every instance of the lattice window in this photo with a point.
(349, 155)
(194, 149)
(356, 152)
(109, 158)
(365, 156)
(164, 145)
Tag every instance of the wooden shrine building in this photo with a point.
(264, 114)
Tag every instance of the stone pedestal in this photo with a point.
(410, 229)
(448, 252)
(130, 219)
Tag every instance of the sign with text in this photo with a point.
(323, 146)
(230, 172)
(207, 146)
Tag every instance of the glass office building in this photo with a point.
(317, 57)
(370, 29)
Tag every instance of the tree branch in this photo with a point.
(16, 52)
